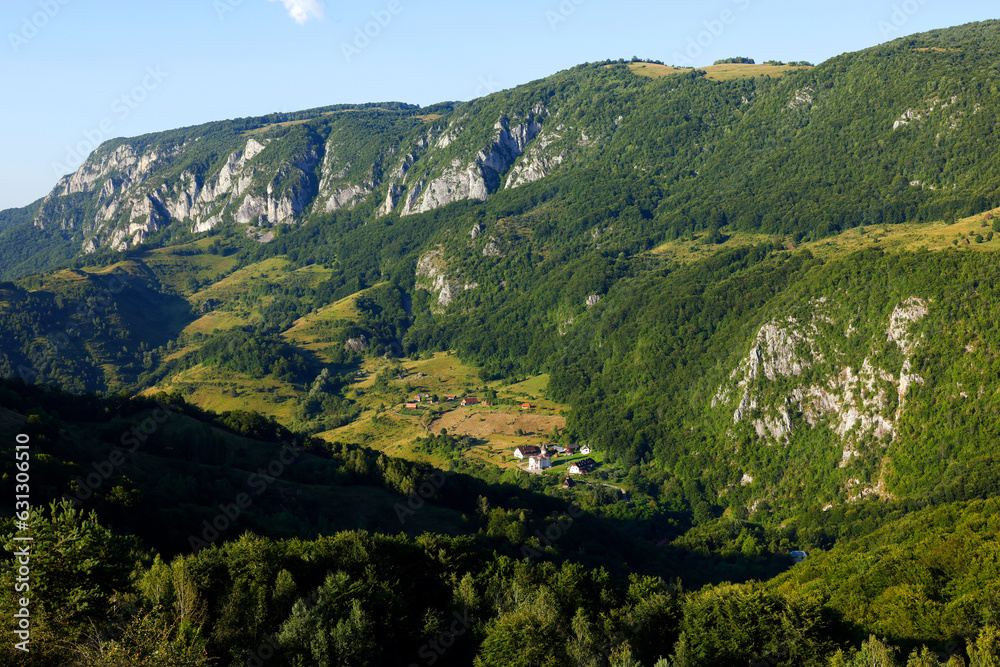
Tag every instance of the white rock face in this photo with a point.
(492, 249)
(391, 197)
(128, 207)
(538, 162)
(432, 276)
(336, 193)
(854, 402)
(347, 197)
(480, 177)
(905, 119)
(132, 185)
(449, 187)
(251, 209)
(802, 97)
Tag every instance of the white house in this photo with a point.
(539, 462)
(526, 451)
(582, 467)
(585, 450)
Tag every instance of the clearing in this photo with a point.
(484, 423)
(938, 235)
(723, 72)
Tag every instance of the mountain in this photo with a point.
(911, 118)
(764, 295)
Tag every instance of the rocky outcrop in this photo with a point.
(335, 192)
(854, 402)
(128, 189)
(359, 344)
(538, 162)
(492, 248)
(482, 176)
(133, 195)
(801, 98)
(932, 105)
(432, 275)
(452, 185)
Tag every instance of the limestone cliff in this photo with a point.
(808, 373)
(433, 276)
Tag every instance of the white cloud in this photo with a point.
(303, 10)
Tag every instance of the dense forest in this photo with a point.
(124, 591)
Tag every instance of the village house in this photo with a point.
(526, 406)
(539, 462)
(582, 467)
(585, 450)
(526, 451)
(449, 397)
(469, 401)
(568, 483)
(411, 406)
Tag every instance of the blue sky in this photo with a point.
(75, 72)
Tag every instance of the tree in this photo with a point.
(146, 640)
(985, 650)
(77, 566)
(622, 657)
(874, 653)
(335, 632)
(187, 603)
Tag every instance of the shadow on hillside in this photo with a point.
(172, 485)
